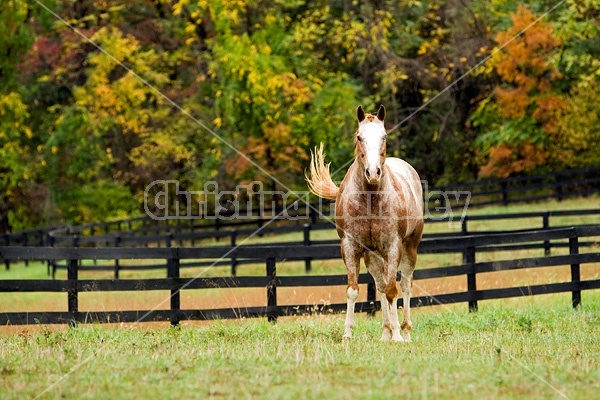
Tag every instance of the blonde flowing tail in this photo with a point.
(319, 179)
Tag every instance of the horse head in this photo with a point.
(370, 143)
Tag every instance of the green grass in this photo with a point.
(532, 347)
(531, 350)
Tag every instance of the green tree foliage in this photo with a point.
(81, 137)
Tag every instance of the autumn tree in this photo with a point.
(517, 117)
(81, 137)
(271, 101)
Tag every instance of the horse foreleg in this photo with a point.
(393, 318)
(390, 299)
(351, 296)
(375, 265)
(351, 258)
(407, 266)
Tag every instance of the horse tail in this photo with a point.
(319, 179)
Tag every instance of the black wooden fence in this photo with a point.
(469, 246)
(546, 220)
(558, 185)
(181, 234)
(170, 239)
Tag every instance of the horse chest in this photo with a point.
(369, 218)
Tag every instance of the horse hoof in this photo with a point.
(346, 338)
(397, 338)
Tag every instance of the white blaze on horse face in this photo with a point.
(372, 134)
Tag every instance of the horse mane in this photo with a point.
(319, 179)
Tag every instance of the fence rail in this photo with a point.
(547, 221)
(558, 185)
(186, 233)
(468, 246)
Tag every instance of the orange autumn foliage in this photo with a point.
(527, 94)
(276, 152)
(507, 159)
(549, 111)
(513, 102)
(525, 66)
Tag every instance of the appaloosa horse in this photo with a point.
(379, 215)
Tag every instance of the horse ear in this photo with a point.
(381, 113)
(360, 114)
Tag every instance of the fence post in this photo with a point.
(575, 271)
(313, 214)
(503, 186)
(307, 260)
(443, 199)
(559, 189)
(463, 225)
(173, 265)
(26, 243)
(48, 243)
(371, 299)
(75, 243)
(469, 258)
(72, 301)
(272, 290)
(52, 242)
(117, 266)
(92, 233)
(546, 225)
(234, 261)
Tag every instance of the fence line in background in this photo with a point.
(558, 185)
(469, 246)
(167, 239)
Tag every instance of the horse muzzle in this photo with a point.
(373, 175)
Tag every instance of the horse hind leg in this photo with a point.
(407, 266)
(390, 297)
(406, 326)
(375, 265)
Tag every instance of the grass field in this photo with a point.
(531, 347)
(525, 349)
